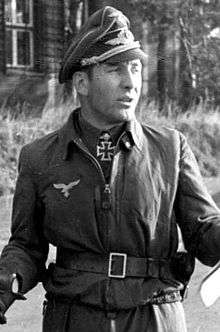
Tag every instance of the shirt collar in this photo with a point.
(134, 129)
(70, 133)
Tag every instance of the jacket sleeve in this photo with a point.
(196, 212)
(27, 249)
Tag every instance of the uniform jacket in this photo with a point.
(155, 185)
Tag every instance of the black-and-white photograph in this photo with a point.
(109, 166)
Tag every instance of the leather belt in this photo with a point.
(170, 297)
(114, 265)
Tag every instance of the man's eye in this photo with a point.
(112, 69)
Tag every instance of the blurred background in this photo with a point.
(181, 89)
(181, 83)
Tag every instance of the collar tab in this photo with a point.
(134, 130)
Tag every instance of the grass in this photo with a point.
(14, 133)
(200, 124)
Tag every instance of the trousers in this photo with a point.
(72, 317)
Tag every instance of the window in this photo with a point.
(19, 33)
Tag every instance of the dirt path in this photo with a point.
(26, 316)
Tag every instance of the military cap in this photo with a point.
(106, 36)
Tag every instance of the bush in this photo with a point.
(201, 126)
(14, 133)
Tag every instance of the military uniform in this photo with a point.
(115, 228)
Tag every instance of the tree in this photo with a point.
(197, 68)
(75, 12)
(94, 5)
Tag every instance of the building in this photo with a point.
(31, 48)
(34, 35)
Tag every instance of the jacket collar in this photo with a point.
(134, 129)
(70, 133)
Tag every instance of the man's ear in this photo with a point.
(81, 82)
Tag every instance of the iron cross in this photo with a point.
(105, 150)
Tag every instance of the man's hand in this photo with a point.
(3, 319)
(8, 294)
(6, 300)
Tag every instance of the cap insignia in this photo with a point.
(90, 61)
(120, 16)
(124, 37)
(115, 50)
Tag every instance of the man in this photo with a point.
(108, 192)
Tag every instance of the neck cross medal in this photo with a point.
(105, 148)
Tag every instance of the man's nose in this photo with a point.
(128, 81)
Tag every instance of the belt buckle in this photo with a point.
(111, 257)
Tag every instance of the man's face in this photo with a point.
(113, 92)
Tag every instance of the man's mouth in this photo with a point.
(125, 99)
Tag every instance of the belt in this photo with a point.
(113, 265)
(170, 297)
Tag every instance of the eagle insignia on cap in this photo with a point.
(124, 37)
(119, 15)
(106, 34)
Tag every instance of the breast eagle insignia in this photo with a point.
(66, 187)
